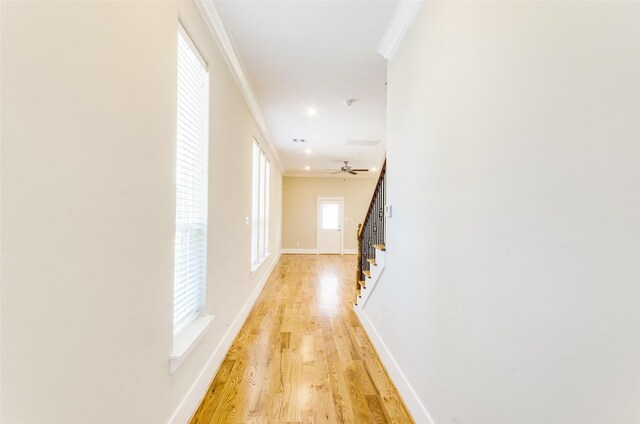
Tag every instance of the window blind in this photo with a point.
(267, 173)
(260, 214)
(255, 198)
(190, 272)
(261, 207)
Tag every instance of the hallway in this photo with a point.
(302, 355)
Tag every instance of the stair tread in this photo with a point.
(362, 283)
(379, 246)
(372, 261)
(367, 273)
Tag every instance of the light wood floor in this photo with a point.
(302, 356)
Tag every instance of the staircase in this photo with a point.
(371, 243)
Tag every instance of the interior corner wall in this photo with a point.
(512, 287)
(299, 203)
(88, 208)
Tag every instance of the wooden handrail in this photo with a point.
(373, 198)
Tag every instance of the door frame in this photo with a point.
(318, 224)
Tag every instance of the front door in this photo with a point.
(330, 225)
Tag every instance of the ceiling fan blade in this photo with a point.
(353, 173)
(360, 170)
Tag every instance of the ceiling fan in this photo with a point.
(346, 168)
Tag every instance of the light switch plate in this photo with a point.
(387, 211)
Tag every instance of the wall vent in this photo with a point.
(370, 143)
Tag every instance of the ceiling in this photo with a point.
(302, 55)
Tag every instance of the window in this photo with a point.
(330, 216)
(260, 212)
(190, 272)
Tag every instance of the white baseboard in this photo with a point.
(299, 251)
(349, 251)
(196, 392)
(409, 395)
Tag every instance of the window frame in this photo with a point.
(191, 208)
(260, 205)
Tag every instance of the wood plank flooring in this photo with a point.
(302, 355)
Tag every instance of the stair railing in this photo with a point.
(371, 232)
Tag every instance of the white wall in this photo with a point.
(1, 67)
(512, 288)
(88, 204)
(300, 208)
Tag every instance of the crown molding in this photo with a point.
(214, 22)
(400, 22)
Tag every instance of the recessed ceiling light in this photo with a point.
(312, 111)
(306, 168)
(374, 169)
(307, 151)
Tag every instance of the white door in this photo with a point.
(330, 225)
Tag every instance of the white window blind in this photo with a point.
(190, 272)
(267, 172)
(254, 202)
(260, 213)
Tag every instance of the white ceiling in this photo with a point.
(315, 54)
